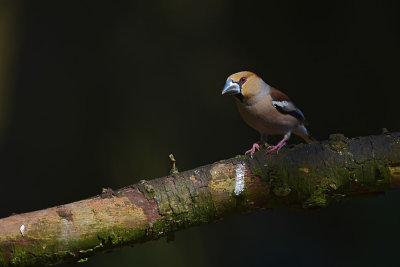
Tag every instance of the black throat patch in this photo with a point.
(240, 97)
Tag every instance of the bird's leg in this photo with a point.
(256, 146)
(278, 146)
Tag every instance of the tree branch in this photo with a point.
(305, 176)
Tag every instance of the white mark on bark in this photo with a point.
(239, 179)
(22, 230)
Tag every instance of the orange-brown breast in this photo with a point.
(263, 117)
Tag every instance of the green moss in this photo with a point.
(19, 258)
(35, 252)
(382, 174)
(338, 142)
(258, 172)
(150, 193)
(278, 178)
(21, 255)
(320, 197)
(159, 226)
(373, 175)
(285, 175)
(272, 173)
(118, 236)
(147, 189)
(183, 202)
(82, 260)
(199, 213)
(27, 255)
(241, 157)
(2, 256)
(89, 250)
(202, 209)
(282, 191)
(337, 137)
(317, 199)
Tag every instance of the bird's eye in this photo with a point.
(243, 80)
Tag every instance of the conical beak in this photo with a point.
(231, 88)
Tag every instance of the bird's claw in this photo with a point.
(251, 151)
(276, 148)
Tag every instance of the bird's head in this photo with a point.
(243, 85)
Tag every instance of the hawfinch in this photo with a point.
(266, 109)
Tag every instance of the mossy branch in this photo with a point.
(305, 176)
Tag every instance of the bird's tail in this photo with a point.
(302, 131)
(309, 139)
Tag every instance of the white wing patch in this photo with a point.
(281, 104)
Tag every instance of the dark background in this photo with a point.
(98, 94)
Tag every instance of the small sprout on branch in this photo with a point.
(174, 169)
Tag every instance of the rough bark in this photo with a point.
(307, 176)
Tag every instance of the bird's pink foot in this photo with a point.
(251, 151)
(278, 147)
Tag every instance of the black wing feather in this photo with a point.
(285, 106)
(293, 112)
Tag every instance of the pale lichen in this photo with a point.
(239, 187)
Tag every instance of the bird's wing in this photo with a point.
(285, 106)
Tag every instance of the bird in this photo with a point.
(266, 109)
